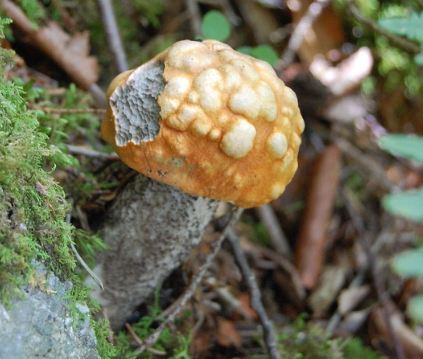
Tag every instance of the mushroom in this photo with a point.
(203, 124)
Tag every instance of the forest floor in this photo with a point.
(322, 254)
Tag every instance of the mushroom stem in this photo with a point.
(149, 230)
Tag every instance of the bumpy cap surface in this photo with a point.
(209, 121)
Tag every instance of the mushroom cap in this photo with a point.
(207, 120)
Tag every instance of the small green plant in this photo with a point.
(304, 340)
(173, 345)
(408, 204)
(410, 26)
(217, 27)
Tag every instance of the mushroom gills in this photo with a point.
(134, 105)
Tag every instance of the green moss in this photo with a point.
(32, 225)
(33, 206)
(105, 349)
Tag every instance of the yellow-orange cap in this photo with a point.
(228, 127)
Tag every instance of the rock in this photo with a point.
(40, 324)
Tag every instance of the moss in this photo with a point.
(33, 207)
(33, 204)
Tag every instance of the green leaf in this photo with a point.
(407, 204)
(215, 26)
(409, 263)
(266, 53)
(247, 50)
(418, 59)
(415, 308)
(409, 146)
(411, 27)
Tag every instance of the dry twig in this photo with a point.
(66, 111)
(88, 152)
(277, 236)
(113, 36)
(256, 303)
(195, 16)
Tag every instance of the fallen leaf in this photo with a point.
(351, 297)
(69, 52)
(227, 335)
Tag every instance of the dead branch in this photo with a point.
(277, 236)
(256, 303)
(311, 245)
(194, 16)
(113, 36)
(89, 152)
(68, 111)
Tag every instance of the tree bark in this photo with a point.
(150, 230)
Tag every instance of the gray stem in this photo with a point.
(150, 230)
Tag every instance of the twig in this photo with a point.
(383, 298)
(81, 260)
(256, 303)
(186, 296)
(86, 267)
(300, 31)
(367, 164)
(88, 152)
(277, 236)
(195, 16)
(68, 110)
(400, 42)
(371, 249)
(98, 94)
(139, 341)
(113, 36)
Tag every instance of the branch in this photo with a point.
(113, 36)
(277, 236)
(268, 331)
(195, 16)
(68, 111)
(89, 152)
(175, 309)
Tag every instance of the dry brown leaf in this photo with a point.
(351, 297)
(409, 340)
(70, 52)
(227, 334)
(245, 301)
(333, 279)
(310, 248)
